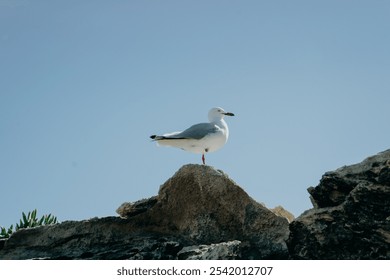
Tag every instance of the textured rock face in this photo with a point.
(280, 211)
(221, 251)
(104, 238)
(199, 213)
(205, 206)
(351, 218)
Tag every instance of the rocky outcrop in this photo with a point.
(351, 215)
(199, 213)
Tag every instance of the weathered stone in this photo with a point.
(128, 209)
(281, 212)
(352, 219)
(204, 205)
(222, 251)
(336, 185)
(104, 238)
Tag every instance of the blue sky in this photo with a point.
(83, 84)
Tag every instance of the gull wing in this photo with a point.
(197, 131)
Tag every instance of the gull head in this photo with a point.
(218, 113)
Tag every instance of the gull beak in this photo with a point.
(228, 114)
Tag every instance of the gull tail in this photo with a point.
(167, 140)
(168, 136)
(156, 137)
(160, 139)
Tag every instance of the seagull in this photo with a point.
(200, 138)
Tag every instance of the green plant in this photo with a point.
(31, 220)
(5, 233)
(28, 221)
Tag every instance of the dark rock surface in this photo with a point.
(351, 217)
(199, 213)
(103, 238)
(222, 251)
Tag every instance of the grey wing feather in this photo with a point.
(197, 131)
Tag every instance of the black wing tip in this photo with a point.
(156, 137)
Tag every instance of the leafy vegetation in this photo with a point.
(28, 221)
(5, 233)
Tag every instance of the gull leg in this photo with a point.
(203, 159)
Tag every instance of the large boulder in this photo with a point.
(205, 206)
(351, 214)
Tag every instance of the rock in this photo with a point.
(281, 212)
(221, 251)
(199, 213)
(351, 218)
(335, 186)
(129, 209)
(2, 242)
(205, 206)
(104, 238)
